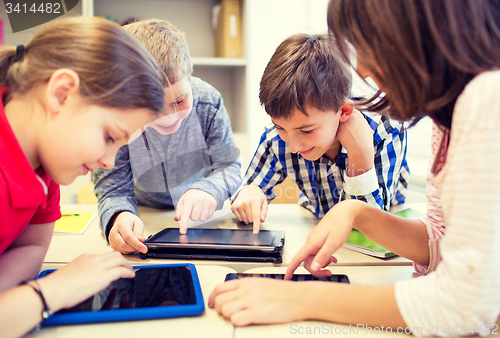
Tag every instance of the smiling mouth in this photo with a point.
(306, 152)
(170, 126)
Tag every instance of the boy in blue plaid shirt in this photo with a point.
(328, 148)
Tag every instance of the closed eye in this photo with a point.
(307, 131)
(109, 138)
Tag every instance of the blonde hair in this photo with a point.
(115, 70)
(168, 46)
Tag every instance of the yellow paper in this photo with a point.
(73, 224)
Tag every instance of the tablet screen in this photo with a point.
(214, 237)
(297, 277)
(151, 287)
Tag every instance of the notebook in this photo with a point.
(360, 243)
(73, 222)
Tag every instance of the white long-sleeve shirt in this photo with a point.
(461, 290)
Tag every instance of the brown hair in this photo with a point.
(304, 70)
(423, 52)
(115, 70)
(168, 46)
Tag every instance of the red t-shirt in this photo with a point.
(26, 196)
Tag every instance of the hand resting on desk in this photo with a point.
(126, 235)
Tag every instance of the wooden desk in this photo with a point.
(293, 219)
(209, 324)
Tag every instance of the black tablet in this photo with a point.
(156, 291)
(229, 239)
(217, 244)
(296, 277)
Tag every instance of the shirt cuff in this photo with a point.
(434, 256)
(361, 185)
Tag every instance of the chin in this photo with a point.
(311, 157)
(64, 180)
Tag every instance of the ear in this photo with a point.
(62, 84)
(346, 110)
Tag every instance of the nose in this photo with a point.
(108, 160)
(294, 144)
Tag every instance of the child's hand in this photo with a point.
(195, 204)
(356, 136)
(82, 278)
(259, 301)
(326, 238)
(126, 234)
(250, 206)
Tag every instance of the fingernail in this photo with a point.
(315, 266)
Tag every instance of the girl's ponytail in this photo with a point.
(7, 58)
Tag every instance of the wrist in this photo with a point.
(354, 210)
(51, 292)
(307, 301)
(361, 213)
(359, 161)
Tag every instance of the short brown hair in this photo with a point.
(168, 46)
(424, 52)
(304, 70)
(115, 70)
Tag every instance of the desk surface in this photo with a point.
(210, 324)
(293, 219)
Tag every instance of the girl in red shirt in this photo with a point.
(70, 99)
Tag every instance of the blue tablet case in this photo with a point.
(155, 312)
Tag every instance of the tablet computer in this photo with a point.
(217, 244)
(230, 239)
(156, 291)
(296, 277)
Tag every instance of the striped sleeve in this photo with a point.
(462, 295)
(265, 169)
(387, 184)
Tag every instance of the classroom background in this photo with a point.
(259, 28)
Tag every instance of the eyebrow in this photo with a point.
(127, 136)
(305, 126)
(179, 97)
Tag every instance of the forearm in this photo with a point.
(359, 161)
(20, 264)
(23, 259)
(405, 237)
(21, 311)
(351, 304)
